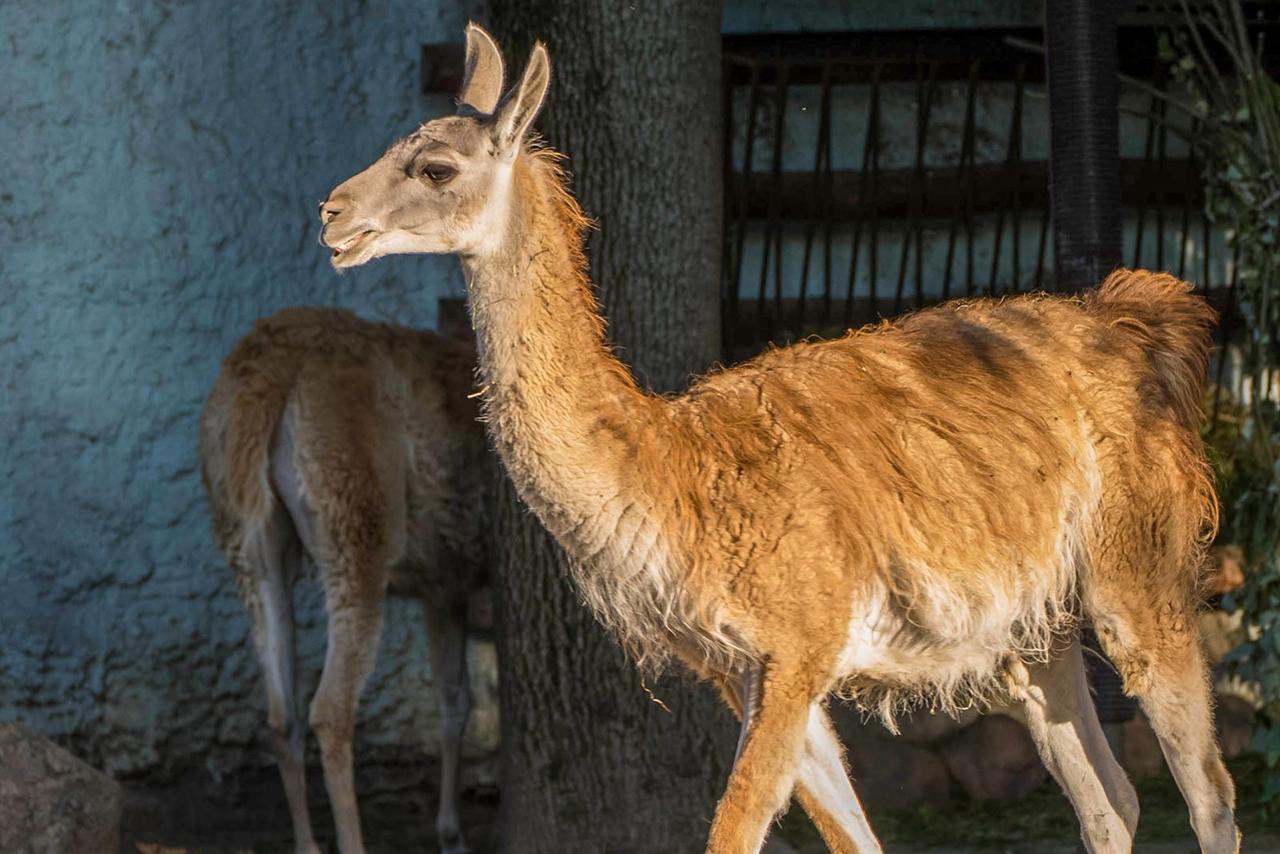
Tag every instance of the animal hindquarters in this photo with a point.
(344, 487)
(266, 563)
(355, 625)
(1174, 691)
(1141, 597)
(446, 619)
(1064, 726)
(1145, 557)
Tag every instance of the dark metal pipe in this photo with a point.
(1084, 199)
(1084, 127)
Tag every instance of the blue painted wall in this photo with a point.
(162, 166)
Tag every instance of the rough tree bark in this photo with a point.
(590, 763)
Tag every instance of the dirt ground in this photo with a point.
(399, 816)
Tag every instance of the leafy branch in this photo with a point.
(1236, 105)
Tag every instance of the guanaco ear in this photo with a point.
(520, 106)
(482, 74)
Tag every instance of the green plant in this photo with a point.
(1236, 105)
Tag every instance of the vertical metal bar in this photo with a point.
(1142, 196)
(828, 195)
(868, 176)
(970, 281)
(1160, 195)
(732, 208)
(921, 145)
(1228, 313)
(1184, 236)
(874, 201)
(1206, 236)
(779, 144)
(1084, 140)
(824, 112)
(771, 223)
(1184, 233)
(753, 106)
(1044, 239)
(1014, 145)
(923, 95)
(963, 167)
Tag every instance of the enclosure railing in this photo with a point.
(868, 174)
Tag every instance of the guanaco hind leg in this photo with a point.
(447, 643)
(1064, 726)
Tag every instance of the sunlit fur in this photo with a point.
(919, 511)
(356, 445)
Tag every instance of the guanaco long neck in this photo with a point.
(565, 414)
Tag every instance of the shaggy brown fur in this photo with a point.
(355, 445)
(921, 509)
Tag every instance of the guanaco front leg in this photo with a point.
(765, 771)
(822, 783)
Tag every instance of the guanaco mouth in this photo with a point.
(350, 243)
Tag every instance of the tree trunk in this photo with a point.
(590, 762)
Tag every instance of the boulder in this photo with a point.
(1234, 719)
(925, 727)
(893, 774)
(889, 772)
(50, 801)
(994, 759)
(1140, 757)
(1220, 632)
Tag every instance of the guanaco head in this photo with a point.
(446, 187)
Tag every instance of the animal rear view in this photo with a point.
(352, 447)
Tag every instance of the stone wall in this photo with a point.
(163, 163)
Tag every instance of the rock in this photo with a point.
(994, 759)
(1141, 757)
(1220, 632)
(889, 772)
(51, 801)
(1234, 719)
(1226, 569)
(893, 774)
(925, 727)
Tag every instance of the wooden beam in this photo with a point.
(782, 321)
(799, 195)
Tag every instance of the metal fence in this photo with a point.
(872, 173)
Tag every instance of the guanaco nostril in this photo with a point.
(329, 211)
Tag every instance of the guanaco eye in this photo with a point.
(438, 172)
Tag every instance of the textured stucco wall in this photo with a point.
(162, 165)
